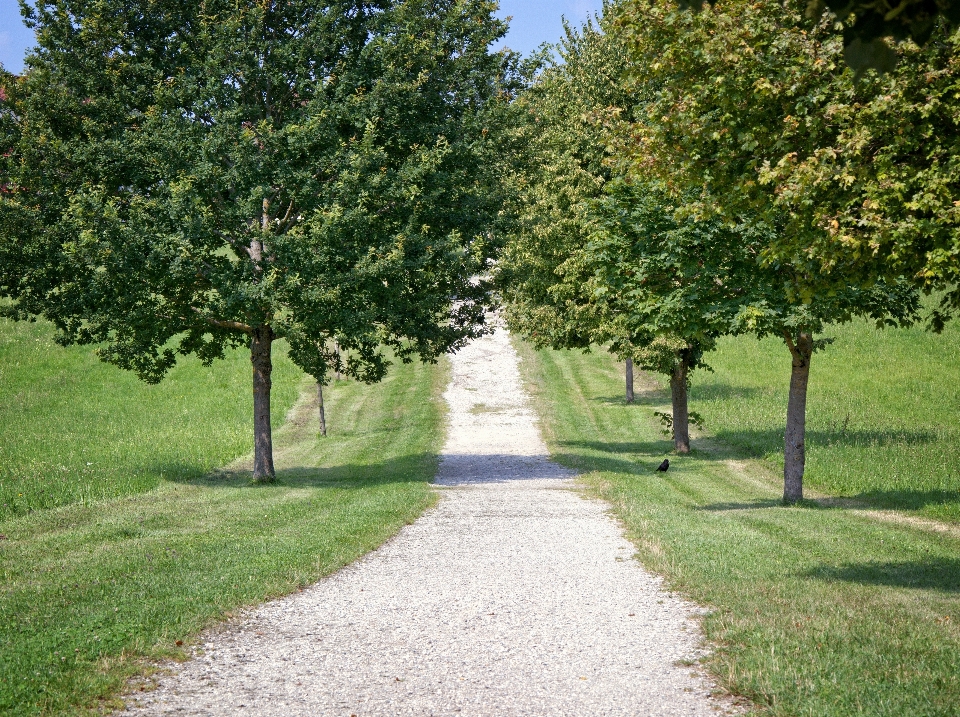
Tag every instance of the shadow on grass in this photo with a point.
(646, 397)
(909, 499)
(758, 504)
(649, 448)
(420, 467)
(638, 457)
(722, 392)
(933, 574)
(759, 443)
(894, 499)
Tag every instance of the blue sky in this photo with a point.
(534, 22)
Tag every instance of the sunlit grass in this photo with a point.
(883, 413)
(73, 429)
(91, 592)
(815, 611)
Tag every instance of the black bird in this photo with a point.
(663, 466)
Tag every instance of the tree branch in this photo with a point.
(790, 345)
(234, 325)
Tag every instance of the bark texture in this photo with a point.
(629, 380)
(794, 451)
(260, 345)
(323, 418)
(681, 418)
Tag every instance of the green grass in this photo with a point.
(73, 429)
(883, 413)
(815, 610)
(91, 593)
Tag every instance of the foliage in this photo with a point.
(883, 188)
(195, 176)
(867, 24)
(827, 161)
(565, 116)
(663, 288)
(666, 421)
(575, 268)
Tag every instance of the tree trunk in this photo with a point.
(260, 345)
(681, 420)
(629, 380)
(323, 418)
(794, 452)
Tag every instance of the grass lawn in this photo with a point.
(816, 610)
(91, 592)
(73, 429)
(883, 414)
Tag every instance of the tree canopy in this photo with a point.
(866, 25)
(729, 94)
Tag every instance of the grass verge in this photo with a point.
(883, 413)
(90, 594)
(74, 429)
(816, 610)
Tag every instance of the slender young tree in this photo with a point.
(321, 415)
(193, 176)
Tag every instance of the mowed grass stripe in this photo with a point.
(815, 610)
(91, 593)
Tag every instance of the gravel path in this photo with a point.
(515, 596)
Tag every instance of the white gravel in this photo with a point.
(515, 596)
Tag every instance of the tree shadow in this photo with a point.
(420, 467)
(721, 392)
(933, 574)
(631, 447)
(648, 396)
(639, 457)
(890, 499)
(762, 442)
(757, 504)
(909, 499)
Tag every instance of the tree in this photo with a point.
(563, 167)
(883, 187)
(869, 163)
(189, 177)
(577, 259)
(565, 116)
(663, 289)
(727, 93)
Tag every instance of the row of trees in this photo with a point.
(692, 175)
(184, 177)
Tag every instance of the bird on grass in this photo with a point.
(662, 468)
